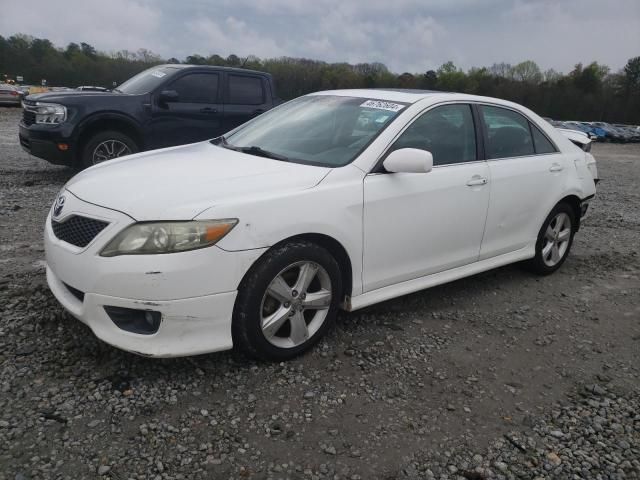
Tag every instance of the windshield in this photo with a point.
(146, 81)
(323, 130)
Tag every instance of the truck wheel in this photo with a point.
(106, 145)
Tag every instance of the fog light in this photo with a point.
(143, 322)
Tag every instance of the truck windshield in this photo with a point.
(324, 130)
(146, 81)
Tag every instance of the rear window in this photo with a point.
(541, 142)
(508, 133)
(245, 90)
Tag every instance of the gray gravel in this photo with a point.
(502, 375)
(595, 434)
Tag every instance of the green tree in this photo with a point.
(527, 71)
(631, 76)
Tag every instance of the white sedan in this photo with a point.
(338, 199)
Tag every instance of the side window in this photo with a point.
(447, 132)
(541, 142)
(197, 88)
(508, 133)
(244, 90)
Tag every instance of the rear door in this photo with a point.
(195, 116)
(246, 96)
(528, 175)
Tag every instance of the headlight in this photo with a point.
(49, 113)
(167, 237)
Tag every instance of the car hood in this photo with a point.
(72, 97)
(178, 183)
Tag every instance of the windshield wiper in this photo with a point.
(261, 152)
(252, 150)
(218, 140)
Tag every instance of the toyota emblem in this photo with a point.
(57, 207)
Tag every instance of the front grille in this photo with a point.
(28, 117)
(77, 230)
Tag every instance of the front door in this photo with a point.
(416, 224)
(196, 115)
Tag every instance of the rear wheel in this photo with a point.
(287, 302)
(105, 146)
(554, 240)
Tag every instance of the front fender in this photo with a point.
(103, 116)
(333, 208)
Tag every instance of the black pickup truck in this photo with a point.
(163, 106)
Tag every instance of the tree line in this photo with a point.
(588, 92)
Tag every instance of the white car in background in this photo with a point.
(338, 199)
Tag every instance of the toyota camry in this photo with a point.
(335, 200)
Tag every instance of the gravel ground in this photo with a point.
(501, 375)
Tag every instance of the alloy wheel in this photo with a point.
(556, 239)
(109, 149)
(295, 304)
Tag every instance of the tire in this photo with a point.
(102, 143)
(273, 318)
(552, 246)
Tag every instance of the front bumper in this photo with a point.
(42, 142)
(193, 291)
(189, 326)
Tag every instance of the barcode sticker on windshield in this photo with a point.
(158, 74)
(380, 105)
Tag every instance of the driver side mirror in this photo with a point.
(168, 96)
(408, 160)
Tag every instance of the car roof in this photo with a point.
(212, 67)
(413, 96)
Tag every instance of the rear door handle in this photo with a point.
(556, 167)
(476, 180)
(208, 110)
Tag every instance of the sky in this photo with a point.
(405, 35)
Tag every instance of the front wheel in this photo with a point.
(554, 240)
(287, 301)
(105, 146)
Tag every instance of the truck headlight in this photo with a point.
(149, 238)
(49, 113)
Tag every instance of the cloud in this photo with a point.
(406, 35)
(112, 25)
(230, 35)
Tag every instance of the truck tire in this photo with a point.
(106, 145)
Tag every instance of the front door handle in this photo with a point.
(208, 110)
(477, 180)
(556, 167)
